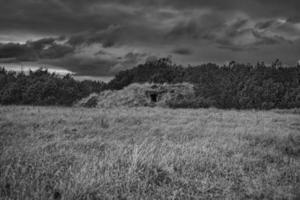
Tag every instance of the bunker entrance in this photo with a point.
(153, 98)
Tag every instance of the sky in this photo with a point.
(103, 37)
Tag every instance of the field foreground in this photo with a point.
(148, 153)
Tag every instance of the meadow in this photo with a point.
(148, 153)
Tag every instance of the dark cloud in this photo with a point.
(294, 19)
(40, 44)
(237, 28)
(12, 50)
(103, 36)
(102, 52)
(69, 16)
(256, 40)
(102, 64)
(187, 29)
(196, 27)
(268, 40)
(242, 35)
(265, 24)
(56, 51)
(134, 57)
(129, 61)
(107, 37)
(34, 50)
(236, 48)
(83, 65)
(182, 51)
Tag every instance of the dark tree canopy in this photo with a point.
(43, 88)
(240, 86)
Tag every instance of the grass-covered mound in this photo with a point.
(146, 94)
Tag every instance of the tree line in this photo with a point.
(43, 88)
(239, 86)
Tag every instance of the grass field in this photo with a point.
(148, 153)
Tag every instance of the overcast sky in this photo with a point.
(102, 37)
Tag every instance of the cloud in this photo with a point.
(35, 50)
(187, 29)
(101, 63)
(265, 24)
(245, 34)
(85, 58)
(56, 51)
(69, 16)
(182, 51)
(107, 37)
(294, 19)
(12, 50)
(41, 44)
(215, 30)
(82, 65)
(262, 39)
(129, 61)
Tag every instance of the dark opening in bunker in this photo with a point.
(153, 98)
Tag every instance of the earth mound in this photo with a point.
(136, 95)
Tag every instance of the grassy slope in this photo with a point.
(148, 153)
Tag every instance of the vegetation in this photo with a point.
(140, 95)
(43, 88)
(235, 86)
(148, 153)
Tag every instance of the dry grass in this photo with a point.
(148, 153)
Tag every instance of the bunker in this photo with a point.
(134, 95)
